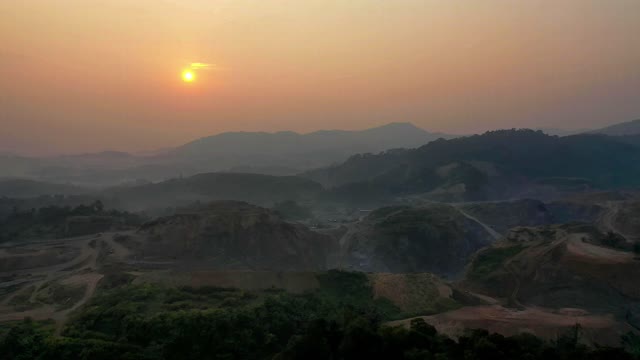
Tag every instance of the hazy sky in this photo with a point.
(87, 75)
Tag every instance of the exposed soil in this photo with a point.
(73, 262)
(545, 323)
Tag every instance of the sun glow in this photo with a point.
(188, 76)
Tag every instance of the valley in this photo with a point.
(458, 241)
(523, 278)
(319, 180)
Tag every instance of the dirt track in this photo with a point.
(496, 235)
(81, 270)
(597, 254)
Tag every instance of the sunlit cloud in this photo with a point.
(204, 66)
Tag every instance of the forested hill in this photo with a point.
(501, 159)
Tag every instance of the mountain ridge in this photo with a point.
(499, 163)
(277, 153)
(620, 129)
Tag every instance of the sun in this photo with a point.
(188, 76)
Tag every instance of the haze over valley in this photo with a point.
(290, 180)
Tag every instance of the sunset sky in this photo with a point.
(91, 75)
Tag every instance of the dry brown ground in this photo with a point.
(72, 261)
(545, 323)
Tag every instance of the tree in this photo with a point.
(23, 342)
(98, 206)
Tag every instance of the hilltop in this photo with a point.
(429, 238)
(232, 235)
(621, 129)
(496, 165)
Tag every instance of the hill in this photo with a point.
(431, 238)
(495, 165)
(559, 266)
(621, 129)
(255, 188)
(24, 188)
(232, 235)
(280, 153)
(297, 151)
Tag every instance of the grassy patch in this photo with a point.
(45, 326)
(150, 299)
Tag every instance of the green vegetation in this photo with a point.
(283, 327)
(61, 296)
(492, 259)
(567, 163)
(424, 298)
(353, 289)
(52, 220)
(339, 321)
(631, 342)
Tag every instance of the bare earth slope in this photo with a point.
(232, 235)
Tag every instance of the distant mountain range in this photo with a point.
(290, 150)
(496, 165)
(280, 153)
(622, 129)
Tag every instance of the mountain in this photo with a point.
(280, 153)
(15, 166)
(255, 188)
(297, 151)
(625, 128)
(496, 165)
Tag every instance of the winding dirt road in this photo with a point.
(81, 271)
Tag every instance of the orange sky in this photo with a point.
(89, 75)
